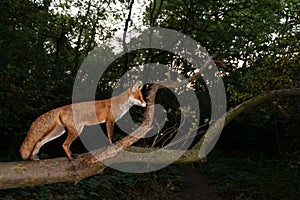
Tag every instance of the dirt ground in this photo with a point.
(199, 188)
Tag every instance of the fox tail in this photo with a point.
(27, 146)
(39, 128)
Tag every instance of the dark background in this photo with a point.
(255, 45)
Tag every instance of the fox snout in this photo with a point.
(143, 104)
(137, 102)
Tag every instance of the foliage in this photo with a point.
(263, 132)
(240, 177)
(111, 185)
(42, 46)
(255, 45)
(250, 37)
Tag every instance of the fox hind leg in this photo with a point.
(53, 134)
(72, 135)
(110, 130)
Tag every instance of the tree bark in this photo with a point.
(30, 173)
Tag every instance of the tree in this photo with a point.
(42, 46)
(254, 43)
(241, 34)
(26, 173)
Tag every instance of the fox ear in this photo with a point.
(137, 86)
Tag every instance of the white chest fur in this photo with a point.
(121, 110)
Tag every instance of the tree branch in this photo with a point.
(211, 135)
(29, 173)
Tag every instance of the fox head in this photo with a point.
(135, 96)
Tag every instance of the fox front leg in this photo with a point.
(110, 130)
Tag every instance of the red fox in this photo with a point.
(54, 123)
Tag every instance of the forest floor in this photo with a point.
(199, 188)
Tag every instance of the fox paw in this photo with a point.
(34, 157)
(74, 155)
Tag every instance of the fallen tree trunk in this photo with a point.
(30, 173)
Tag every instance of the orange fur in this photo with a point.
(54, 123)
